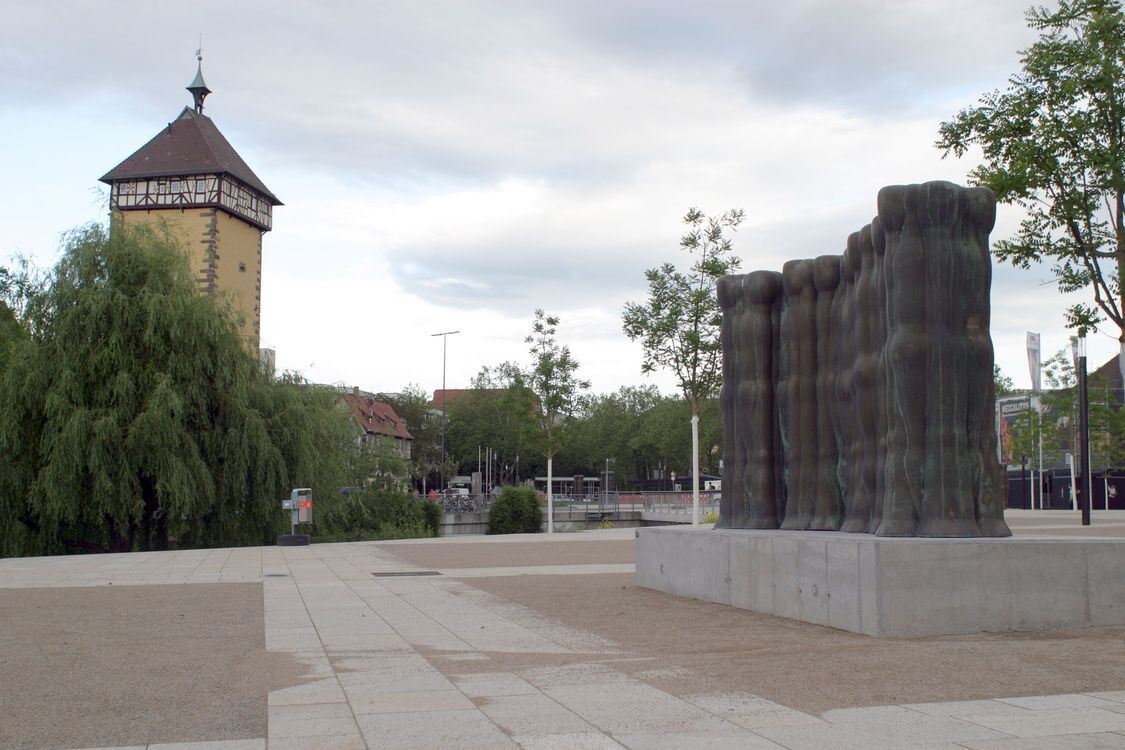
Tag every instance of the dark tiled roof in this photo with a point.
(191, 144)
(376, 417)
(451, 395)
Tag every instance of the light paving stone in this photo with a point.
(308, 711)
(333, 742)
(714, 740)
(482, 630)
(1045, 722)
(570, 741)
(318, 691)
(315, 663)
(465, 656)
(278, 619)
(1069, 700)
(414, 701)
(1097, 741)
(630, 709)
(587, 673)
(578, 641)
(366, 684)
(337, 725)
(531, 714)
(884, 731)
(490, 684)
(291, 639)
(249, 744)
(966, 708)
(417, 628)
(448, 730)
(1117, 696)
(389, 663)
(866, 715)
(750, 711)
(386, 642)
(540, 570)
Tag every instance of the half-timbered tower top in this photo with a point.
(190, 164)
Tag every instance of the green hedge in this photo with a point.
(516, 511)
(373, 514)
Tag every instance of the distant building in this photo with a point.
(449, 395)
(1108, 379)
(190, 179)
(1105, 387)
(376, 422)
(267, 360)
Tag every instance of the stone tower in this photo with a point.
(191, 180)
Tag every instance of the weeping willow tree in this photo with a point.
(132, 417)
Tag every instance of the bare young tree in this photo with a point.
(678, 326)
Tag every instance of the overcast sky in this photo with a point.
(456, 165)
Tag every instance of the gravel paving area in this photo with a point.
(127, 665)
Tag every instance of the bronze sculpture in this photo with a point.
(857, 389)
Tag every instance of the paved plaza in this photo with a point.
(493, 642)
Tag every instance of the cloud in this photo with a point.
(465, 163)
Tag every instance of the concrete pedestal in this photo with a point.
(292, 540)
(882, 586)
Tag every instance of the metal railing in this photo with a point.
(595, 503)
(680, 501)
(463, 503)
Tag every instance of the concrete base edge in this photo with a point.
(292, 540)
(883, 586)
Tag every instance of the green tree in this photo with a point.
(1001, 383)
(415, 408)
(553, 380)
(17, 284)
(1059, 423)
(678, 326)
(131, 416)
(1054, 143)
(516, 511)
(609, 426)
(499, 413)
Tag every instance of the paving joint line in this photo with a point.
(324, 653)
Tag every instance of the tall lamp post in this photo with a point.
(1084, 427)
(1036, 368)
(444, 338)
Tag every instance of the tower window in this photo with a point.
(242, 267)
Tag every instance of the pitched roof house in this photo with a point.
(378, 421)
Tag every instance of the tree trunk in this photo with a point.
(694, 469)
(1121, 357)
(695, 463)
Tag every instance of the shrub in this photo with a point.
(607, 524)
(374, 513)
(711, 518)
(516, 511)
(432, 513)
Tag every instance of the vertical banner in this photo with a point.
(1033, 363)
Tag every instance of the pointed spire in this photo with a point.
(198, 88)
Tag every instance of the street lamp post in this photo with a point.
(444, 338)
(1084, 428)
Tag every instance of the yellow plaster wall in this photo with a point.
(235, 242)
(241, 243)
